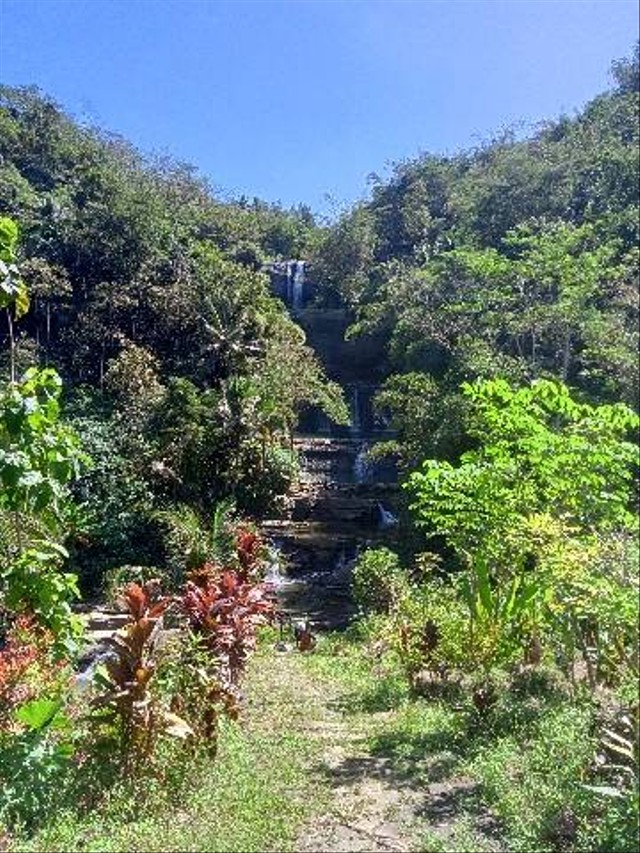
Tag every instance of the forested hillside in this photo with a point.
(183, 376)
(518, 259)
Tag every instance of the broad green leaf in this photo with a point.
(38, 713)
(22, 300)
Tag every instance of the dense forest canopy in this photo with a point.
(184, 375)
(518, 259)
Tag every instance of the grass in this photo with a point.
(253, 797)
(510, 779)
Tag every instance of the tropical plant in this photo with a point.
(127, 695)
(225, 609)
(39, 457)
(35, 762)
(378, 580)
(528, 512)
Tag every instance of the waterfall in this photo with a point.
(84, 679)
(362, 468)
(295, 284)
(387, 519)
(355, 411)
(297, 295)
(289, 268)
(273, 576)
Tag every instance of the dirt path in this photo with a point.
(362, 806)
(367, 811)
(365, 798)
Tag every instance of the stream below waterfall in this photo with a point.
(343, 501)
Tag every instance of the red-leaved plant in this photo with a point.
(224, 611)
(130, 671)
(250, 549)
(27, 668)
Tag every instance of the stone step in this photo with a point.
(100, 620)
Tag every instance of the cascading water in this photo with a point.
(387, 519)
(290, 282)
(356, 420)
(332, 510)
(297, 300)
(273, 575)
(84, 679)
(362, 468)
(295, 284)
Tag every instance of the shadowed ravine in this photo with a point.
(342, 501)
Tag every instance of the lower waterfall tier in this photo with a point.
(329, 519)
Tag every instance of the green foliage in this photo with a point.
(190, 542)
(534, 513)
(13, 291)
(148, 297)
(515, 260)
(39, 456)
(115, 498)
(377, 580)
(34, 763)
(542, 452)
(413, 402)
(33, 583)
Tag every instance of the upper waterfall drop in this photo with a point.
(295, 284)
(356, 418)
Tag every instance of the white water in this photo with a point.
(298, 285)
(83, 681)
(341, 562)
(362, 468)
(273, 574)
(295, 284)
(387, 518)
(355, 411)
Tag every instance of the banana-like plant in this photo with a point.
(500, 613)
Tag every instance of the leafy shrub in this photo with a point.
(34, 763)
(378, 580)
(27, 667)
(428, 630)
(115, 495)
(116, 579)
(39, 457)
(189, 539)
(224, 611)
(534, 513)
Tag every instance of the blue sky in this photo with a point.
(297, 100)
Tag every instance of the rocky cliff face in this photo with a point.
(342, 502)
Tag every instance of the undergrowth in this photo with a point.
(253, 797)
